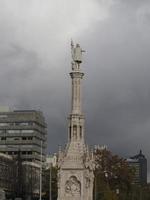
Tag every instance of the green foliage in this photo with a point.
(139, 193)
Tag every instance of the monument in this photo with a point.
(75, 163)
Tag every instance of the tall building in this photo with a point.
(18, 179)
(21, 132)
(139, 162)
(31, 180)
(7, 174)
(75, 174)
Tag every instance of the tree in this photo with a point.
(140, 192)
(113, 176)
(46, 184)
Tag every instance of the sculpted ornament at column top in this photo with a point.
(76, 53)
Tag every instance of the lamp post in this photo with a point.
(41, 175)
(117, 193)
(106, 176)
(95, 183)
(95, 192)
(50, 183)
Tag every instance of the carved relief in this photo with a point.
(73, 186)
(87, 182)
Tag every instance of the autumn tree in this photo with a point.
(113, 176)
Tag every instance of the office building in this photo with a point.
(139, 163)
(18, 179)
(31, 180)
(7, 174)
(23, 132)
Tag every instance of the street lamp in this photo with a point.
(41, 175)
(117, 192)
(50, 188)
(95, 187)
(106, 176)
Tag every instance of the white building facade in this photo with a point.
(75, 163)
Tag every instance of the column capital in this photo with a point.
(76, 74)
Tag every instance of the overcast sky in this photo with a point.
(35, 64)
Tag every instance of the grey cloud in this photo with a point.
(116, 85)
(117, 105)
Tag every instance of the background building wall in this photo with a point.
(7, 174)
(23, 131)
(139, 162)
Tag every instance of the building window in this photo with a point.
(27, 131)
(75, 131)
(70, 132)
(13, 131)
(3, 138)
(24, 138)
(2, 131)
(16, 138)
(24, 123)
(3, 116)
(80, 131)
(4, 124)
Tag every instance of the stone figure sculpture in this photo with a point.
(76, 53)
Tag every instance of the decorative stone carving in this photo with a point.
(87, 179)
(73, 186)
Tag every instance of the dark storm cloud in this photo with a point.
(118, 106)
(35, 63)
